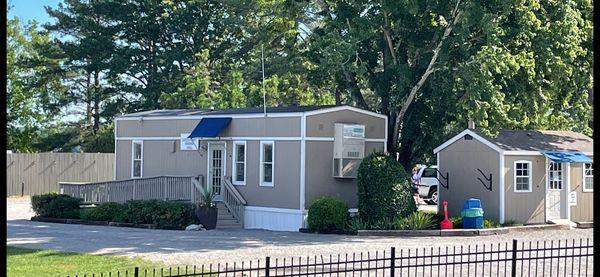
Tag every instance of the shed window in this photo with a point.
(137, 153)
(267, 151)
(522, 179)
(239, 163)
(588, 177)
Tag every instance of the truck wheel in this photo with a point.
(433, 196)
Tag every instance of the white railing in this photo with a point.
(183, 188)
(233, 200)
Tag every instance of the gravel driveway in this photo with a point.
(195, 248)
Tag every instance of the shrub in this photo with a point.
(327, 214)
(382, 224)
(159, 212)
(456, 222)
(356, 223)
(488, 223)
(384, 190)
(110, 211)
(55, 205)
(417, 221)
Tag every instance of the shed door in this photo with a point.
(554, 190)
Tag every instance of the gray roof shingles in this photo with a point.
(196, 112)
(541, 140)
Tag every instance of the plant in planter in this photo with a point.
(206, 209)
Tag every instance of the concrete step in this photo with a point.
(563, 222)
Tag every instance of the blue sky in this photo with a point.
(31, 9)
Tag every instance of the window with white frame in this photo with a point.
(522, 176)
(555, 178)
(137, 149)
(239, 163)
(588, 177)
(267, 155)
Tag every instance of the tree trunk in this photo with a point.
(400, 116)
(352, 86)
(97, 98)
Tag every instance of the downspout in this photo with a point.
(303, 168)
(501, 186)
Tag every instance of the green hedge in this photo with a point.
(55, 205)
(327, 214)
(110, 211)
(384, 189)
(159, 212)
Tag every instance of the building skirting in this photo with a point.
(275, 219)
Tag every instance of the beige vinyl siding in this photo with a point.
(123, 159)
(286, 190)
(525, 207)
(461, 160)
(239, 127)
(584, 210)
(319, 173)
(322, 125)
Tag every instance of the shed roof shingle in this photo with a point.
(534, 140)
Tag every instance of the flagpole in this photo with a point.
(262, 54)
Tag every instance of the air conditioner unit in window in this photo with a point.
(348, 149)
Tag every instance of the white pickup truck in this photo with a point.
(428, 188)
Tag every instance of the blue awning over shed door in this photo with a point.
(210, 127)
(567, 156)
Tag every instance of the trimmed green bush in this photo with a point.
(327, 214)
(110, 211)
(384, 189)
(55, 205)
(159, 212)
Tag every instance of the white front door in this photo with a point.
(554, 189)
(216, 167)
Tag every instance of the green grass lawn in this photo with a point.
(42, 262)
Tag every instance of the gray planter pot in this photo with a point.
(207, 217)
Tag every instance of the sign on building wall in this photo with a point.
(573, 198)
(187, 143)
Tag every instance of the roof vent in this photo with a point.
(528, 134)
(212, 108)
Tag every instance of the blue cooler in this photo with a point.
(472, 214)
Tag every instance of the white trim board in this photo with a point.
(212, 139)
(534, 153)
(344, 107)
(234, 163)
(474, 135)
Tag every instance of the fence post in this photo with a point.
(393, 261)
(267, 266)
(22, 188)
(136, 272)
(513, 267)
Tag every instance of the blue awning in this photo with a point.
(567, 156)
(210, 127)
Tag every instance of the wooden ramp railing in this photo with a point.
(233, 200)
(184, 188)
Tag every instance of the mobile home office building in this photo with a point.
(279, 161)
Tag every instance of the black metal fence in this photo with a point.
(539, 258)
